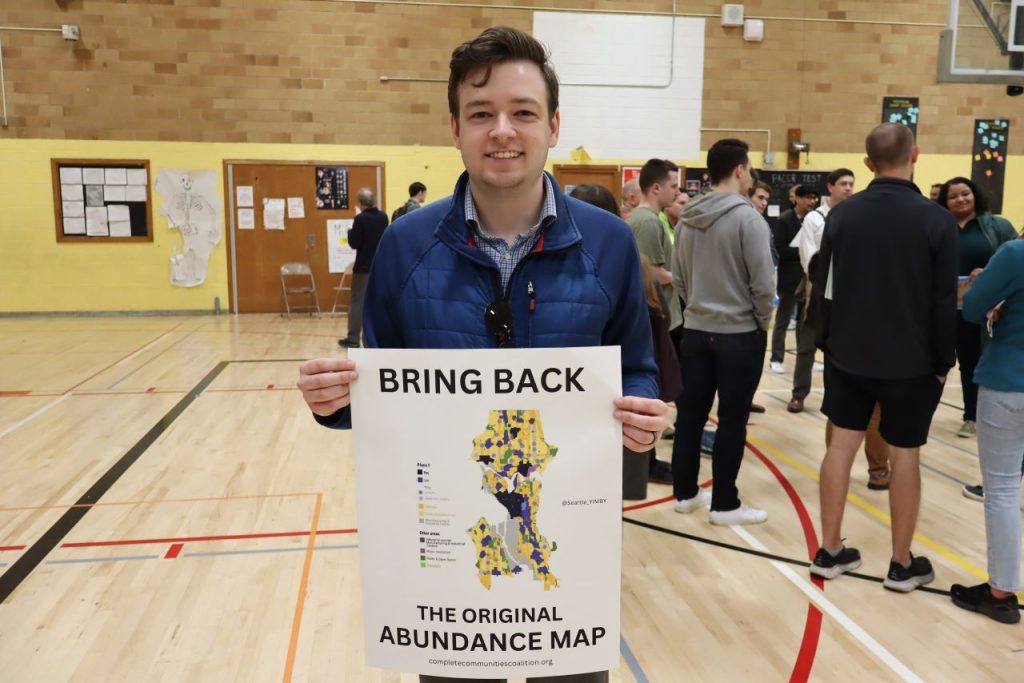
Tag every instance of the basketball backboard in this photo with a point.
(983, 43)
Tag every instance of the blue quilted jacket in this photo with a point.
(430, 284)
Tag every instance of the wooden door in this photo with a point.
(255, 256)
(590, 174)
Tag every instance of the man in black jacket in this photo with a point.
(790, 270)
(886, 287)
(363, 236)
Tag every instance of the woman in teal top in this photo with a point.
(981, 233)
(997, 299)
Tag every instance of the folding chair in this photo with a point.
(297, 280)
(344, 286)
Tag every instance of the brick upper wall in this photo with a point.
(307, 71)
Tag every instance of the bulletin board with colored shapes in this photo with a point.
(988, 159)
(903, 110)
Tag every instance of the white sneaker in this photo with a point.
(791, 325)
(744, 514)
(777, 367)
(819, 367)
(701, 500)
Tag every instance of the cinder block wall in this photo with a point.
(307, 71)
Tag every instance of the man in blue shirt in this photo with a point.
(508, 260)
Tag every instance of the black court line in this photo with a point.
(768, 556)
(34, 555)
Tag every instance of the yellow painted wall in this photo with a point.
(39, 274)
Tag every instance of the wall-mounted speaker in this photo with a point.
(732, 15)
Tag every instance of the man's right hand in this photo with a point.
(324, 384)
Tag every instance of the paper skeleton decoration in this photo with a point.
(192, 206)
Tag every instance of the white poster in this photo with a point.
(192, 205)
(137, 176)
(273, 214)
(339, 253)
(93, 176)
(70, 175)
(115, 176)
(296, 208)
(489, 506)
(243, 195)
(247, 219)
(96, 221)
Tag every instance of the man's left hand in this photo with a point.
(643, 420)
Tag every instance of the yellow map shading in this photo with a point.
(513, 456)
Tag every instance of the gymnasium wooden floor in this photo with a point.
(162, 483)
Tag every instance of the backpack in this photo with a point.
(401, 211)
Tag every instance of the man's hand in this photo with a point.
(974, 274)
(324, 384)
(643, 420)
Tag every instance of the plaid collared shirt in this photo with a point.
(506, 256)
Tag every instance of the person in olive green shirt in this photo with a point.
(659, 183)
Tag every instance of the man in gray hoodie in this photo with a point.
(722, 268)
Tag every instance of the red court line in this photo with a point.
(12, 547)
(199, 539)
(102, 370)
(268, 388)
(659, 501)
(174, 551)
(15, 392)
(812, 626)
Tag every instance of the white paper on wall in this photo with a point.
(74, 226)
(192, 205)
(502, 492)
(120, 228)
(72, 193)
(773, 210)
(135, 193)
(73, 209)
(339, 253)
(96, 221)
(273, 213)
(617, 122)
(115, 176)
(114, 193)
(243, 195)
(247, 219)
(92, 176)
(137, 176)
(296, 208)
(118, 212)
(71, 175)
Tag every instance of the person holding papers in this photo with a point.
(507, 261)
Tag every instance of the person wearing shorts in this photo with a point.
(885, 288)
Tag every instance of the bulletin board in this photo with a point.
(102, 200)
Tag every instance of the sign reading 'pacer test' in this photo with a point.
(489, 500)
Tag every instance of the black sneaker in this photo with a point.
(976, 492)
(980, 599)
(829, 566)
(660, 473)
(906, 579)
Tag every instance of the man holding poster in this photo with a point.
(508, 261)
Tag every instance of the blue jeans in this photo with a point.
(1001, 450)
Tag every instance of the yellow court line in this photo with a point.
(293, 642)
(868, 507)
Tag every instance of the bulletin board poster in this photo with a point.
(988, 159)
(903, 110)
(490, 530)
(332, 187)
(630, 173)
(339, 253)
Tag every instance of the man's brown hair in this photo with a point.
(498, 45)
